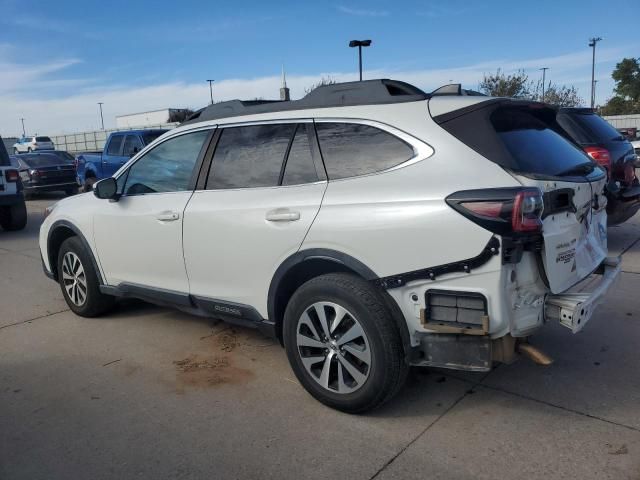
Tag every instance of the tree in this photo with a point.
(627, 78)
(323, 81)
(627, 90)
(516, 85)
(560, 95)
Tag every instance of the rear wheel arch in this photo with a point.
(58, 233)
(308, 264)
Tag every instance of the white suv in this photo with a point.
(32, 144)
(369, 226)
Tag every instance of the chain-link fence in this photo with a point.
(93, 141)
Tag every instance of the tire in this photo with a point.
(79, 280)
(13, 217)
(29, 150)
(88, 184)
(71, 191)
(364, 386)
(15, 151)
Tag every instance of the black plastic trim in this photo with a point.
(79, 234)
(207, 161)
(313, 254)
(12, 199)
(431, 273)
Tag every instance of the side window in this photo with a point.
(249, 156)
(350, 149)
(166, 168)
(114, 145)
(300, 167)
(132, 145)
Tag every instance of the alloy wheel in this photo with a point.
(74, 278)
(333, 347)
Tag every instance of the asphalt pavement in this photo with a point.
(149, 392)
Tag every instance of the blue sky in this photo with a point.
(58, 59)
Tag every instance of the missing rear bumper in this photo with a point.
(574, 310)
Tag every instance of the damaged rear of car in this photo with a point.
(552, 233)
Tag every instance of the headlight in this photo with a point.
(49, 209)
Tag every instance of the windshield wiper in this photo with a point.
(581, 169)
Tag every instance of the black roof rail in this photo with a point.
(367, 92)
(455, 89)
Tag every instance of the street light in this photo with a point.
(592, 43)
(359, 44)
(544, 71)
(23, 132)
(101, 117)
(211, 89)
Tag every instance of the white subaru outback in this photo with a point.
(369, 226)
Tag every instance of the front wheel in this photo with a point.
(343, 344)
(79, 280)
(13, 217)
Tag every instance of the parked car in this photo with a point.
(368, 226)
(46, 172)
(610, 149)
(31, 144)
(118, 149)
(13, 211)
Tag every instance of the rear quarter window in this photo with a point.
(351, 149)
(588, 127)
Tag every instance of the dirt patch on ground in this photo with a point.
(227, 340)
(200, 371)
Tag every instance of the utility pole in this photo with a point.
(592, 43)
(211, 89)
(359, 44)
(101, 117)
(544, 71)
(23, 132)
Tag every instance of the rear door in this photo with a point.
(261, 195)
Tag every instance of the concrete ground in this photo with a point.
(148, 392)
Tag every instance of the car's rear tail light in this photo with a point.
(502, 210)
(601, 156)
(11, 175)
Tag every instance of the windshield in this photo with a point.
(149, 137)
(38, 161)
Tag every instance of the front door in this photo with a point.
(262, 194)
(139, 237)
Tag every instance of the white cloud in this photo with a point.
(22, 94)
(363, 12)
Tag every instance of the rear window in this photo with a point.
(534, 145)
(520, 137)
(38, 161)
(43, 139)
(588, 127)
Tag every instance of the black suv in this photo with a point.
(609, 148)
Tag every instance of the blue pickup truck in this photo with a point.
(120, 147)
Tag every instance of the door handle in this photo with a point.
(282, 215)
(168, 216)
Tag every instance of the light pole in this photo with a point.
(595, 83)
(359, 44)
(592, 43)
(101, 117)
(211, 89)
(544, 71)
(23, 132)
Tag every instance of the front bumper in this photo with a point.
(574, 310)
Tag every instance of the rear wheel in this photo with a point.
(15, 151)
(13, 217)
(79, 280)
(89, 182)
(29, 150)
(343, 344)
